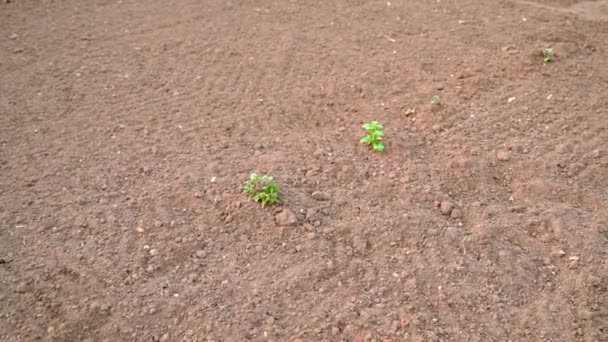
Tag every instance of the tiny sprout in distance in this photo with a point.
(374, 135)
(548, 55)
(437, 101)
(261, 190)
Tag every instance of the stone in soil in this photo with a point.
(503, 155)
(286, 218)
(446, 207)
(320, 196)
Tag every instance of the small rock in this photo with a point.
(286, 218)
(595, 281)
(359, 244)
(13, 36)
(190, 333)
(152, 310)
(576, 168)
(154, 252)
(517, 209)
(585, 314)
(563, 148)
(456, 213)
(335, 331)
(452, 233)
(595, 154)
(164, 338)
(139, 229)
(510, 49)
(446, 207)
(320, 196)
(557, 252)
(503, 155)
(201, 254)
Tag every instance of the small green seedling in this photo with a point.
(548, 55)
(258, 188)
(410, 111)
(374, 135)
(268, 196)
(436, 101)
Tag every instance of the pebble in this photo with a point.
(585, 314)
(190, 333)
(595, 154)
(164, 338)
(557, 252)
(335, 331)
(200, 253)
(446, 207)
(359, 244)
(563, 148)
(510, 49)
(518, 209)
(456, 213)
(595, 281)
(452, 233)
(139, 229)
(154, 252)
(320, 196)
(286, 218)
(503, 155)
(152, 310)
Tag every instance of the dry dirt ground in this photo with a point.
(127, 128)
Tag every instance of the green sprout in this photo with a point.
(437, 101)
(268, 196)
(374, 135)
(548, 55)
(258, 188)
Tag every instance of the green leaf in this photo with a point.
(271, 188)
(379, 147)
(366, 139)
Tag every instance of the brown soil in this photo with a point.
(128, 127)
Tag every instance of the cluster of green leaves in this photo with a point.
(374, 135)
(548, 55)
(261, 190)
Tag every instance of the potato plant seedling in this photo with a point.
(374, 135)
(261, 190)
(548, 55)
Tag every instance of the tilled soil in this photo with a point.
(128, 127)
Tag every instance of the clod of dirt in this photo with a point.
(286, 218)
(446, 207)
(503, 155)
(557, 252)
(456, 213)
(359, 244)
(595, 281)
(320, 196)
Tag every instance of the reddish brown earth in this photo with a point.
(128, 127)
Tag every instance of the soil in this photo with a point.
(128, 127)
